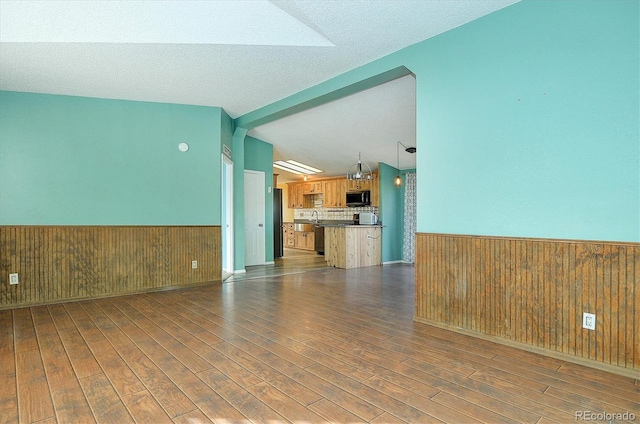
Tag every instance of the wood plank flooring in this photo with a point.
(327, 345)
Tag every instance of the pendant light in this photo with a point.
(398, 181)
(356, 172)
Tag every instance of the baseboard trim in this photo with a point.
(625, 372)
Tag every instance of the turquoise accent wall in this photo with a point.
(528, 123)
(391, 213)
(239, 135)
(226, 131)
(85, 161)
(226, 139)
(258, 156)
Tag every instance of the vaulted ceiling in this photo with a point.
(238, 55)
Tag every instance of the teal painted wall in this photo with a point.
(258, 156)
(391, 213)
(238, 137)
(226, 139)
(226, 131)
(85, 161)
(528, 123)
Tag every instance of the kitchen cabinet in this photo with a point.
(342, 193)
(333, 192)
(304, 240)
(288, 235)
(330, 194)
(373, 185)
(291, 196)
(296, 195)
(353, 185)
(312, 187)
(353, 246)
(375, 190)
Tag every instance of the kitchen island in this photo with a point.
(352, 246)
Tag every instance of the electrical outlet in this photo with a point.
(589, 321)
(194, 264)
(13, 278)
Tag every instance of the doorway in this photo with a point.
(227, 217)
(254, 217)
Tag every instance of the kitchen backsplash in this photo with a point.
(340, 214)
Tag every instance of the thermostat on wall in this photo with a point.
(183, 147)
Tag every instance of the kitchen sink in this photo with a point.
(307, 228)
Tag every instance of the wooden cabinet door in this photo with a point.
(291, 201)
(310, 241)
(375, 191)
(341, 200)
(312, 188)
(330, 191)
(359, 185)
(299, 196)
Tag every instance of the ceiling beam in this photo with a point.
(328, 91)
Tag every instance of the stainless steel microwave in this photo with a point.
(358, 198)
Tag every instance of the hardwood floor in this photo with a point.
(294, 261)
(323, 346)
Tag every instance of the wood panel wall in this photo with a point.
(533, 292)
(58, 263)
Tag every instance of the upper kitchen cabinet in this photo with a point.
(333, 191)
(372, 185)
(342, 193)
(353, 185)
(312, 187)
(296, 195)
(375, 190)
(330, 193)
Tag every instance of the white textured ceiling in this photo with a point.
(238, 55)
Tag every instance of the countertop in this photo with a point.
(351, 225)
(335, 223)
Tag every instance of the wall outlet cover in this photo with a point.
(194, 264)
(13, 279)
(588, 321)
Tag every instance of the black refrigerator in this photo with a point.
(278, 246)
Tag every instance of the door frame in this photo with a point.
(259, 197)
(227, 215)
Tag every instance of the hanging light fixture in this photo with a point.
(398, 180)
(356, 172)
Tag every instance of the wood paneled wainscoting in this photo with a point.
(58, 263)
(532, 293)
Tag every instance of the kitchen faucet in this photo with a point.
(317, 218)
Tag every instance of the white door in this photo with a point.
(227, 215)
(254, 217)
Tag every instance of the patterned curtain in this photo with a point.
(409, 239)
